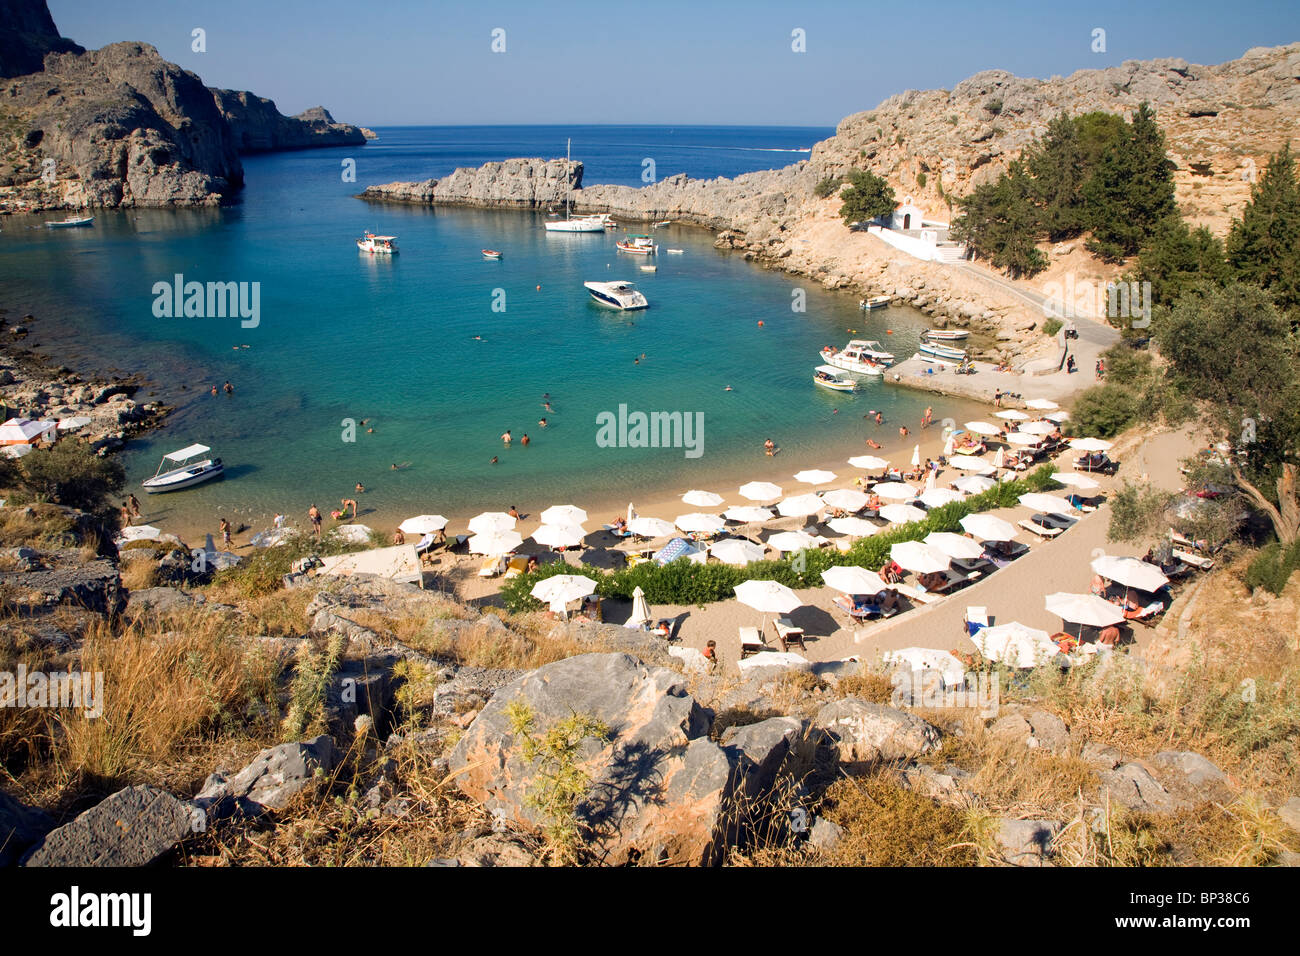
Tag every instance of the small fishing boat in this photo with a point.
(943, 351)
(649, 268)
(620, 295)
(491, 254)
(638, 245)
(827, 376)
(875, 302)
(863, 356)
(185, 468)
(665, 222)
(936, 360)
(946, 335)
(377, 245)
(675, 252)
(72, 222)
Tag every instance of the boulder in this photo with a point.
(659, 790)
(825, 834)
(20, 827)
(1132, 786)
(1189, 777)
(274, 777)
(857, 732)
(762, 751)
(133, 827)
(1026, 842)
(1289, 813)
(1049, 730)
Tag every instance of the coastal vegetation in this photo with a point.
(67, 474)
(868, 197)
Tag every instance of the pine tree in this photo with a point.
(867, 197)
(1178, 258)
(1132, 191)
(1264, 244)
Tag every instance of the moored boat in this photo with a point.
(943, 351)
(491, 254)
(569, 223)
(639, 245)
(875, 302)
(71, 222)
(619, 294)
(946, 335)
(184, 468)
(827, 376)
(377, 245)
(864, 356)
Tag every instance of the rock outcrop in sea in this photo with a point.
(259, 127)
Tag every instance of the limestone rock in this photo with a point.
(274, 777)
(1027, 842)
(862, 732)
(133, 827)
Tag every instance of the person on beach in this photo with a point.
(134, 504)
(225, 532)
(525, 440)
(349, 503)
(532, 564)
(902, 431)
(711, 655)
(513, 512)
(505, 436)
(125, 515)
(277, 522)
(872, 443)
(769, 447)
(399, 537)
(997, 398)
(927, 418)
(313, 513)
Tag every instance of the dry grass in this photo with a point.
(139, 575)
(37, 526)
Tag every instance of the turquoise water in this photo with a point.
(343, 335)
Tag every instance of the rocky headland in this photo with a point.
(121, 126)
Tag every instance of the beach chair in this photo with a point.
(516, 566)
(491, 567)
(751, 642)
(976, 618)
(1040, 530)
(858, 610)
(1195, 560)
(916, 595)
(789, 634)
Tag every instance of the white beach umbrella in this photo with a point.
(894, 490)
(988, 527)
(1015, 645)
(737, 551)
(559, 535)
(948, 446)
(495, 542)
(1130, 572)
(815, 476)
(760, 491)
(1057, 416)
(700, 523)
(919, 557)
(916, 455)
(1046, 503)
(563, 588)
(770, 597)
(999, 459)
(901, 514)
(1022, 439)
(800, 505)
(1086, 609)
(973, 484)
(640, 610)
(490, 521)
(970, 463)
(848, 499)
(852, 579)
(853, 527)
(1042, 404)
(748, 513)
(954, 545)
(868, 462)
(1037, 428)
(702, 499)
(631, 513)
(932, 479)
(952, 670)
(647, 527)
(983, 428)
(1091, 444)
(423, 524)
(787, 541)
(1074, 479)
(1013, 415)
(564, 515)
(938, 497)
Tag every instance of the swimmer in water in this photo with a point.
(726, 388)
(542, 422)
(494, 459)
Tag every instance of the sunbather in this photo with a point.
(932, 581)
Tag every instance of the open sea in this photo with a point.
(439, 350)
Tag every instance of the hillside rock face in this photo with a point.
(259, 127)
(27, 33)
(518, 183)
(124, 128)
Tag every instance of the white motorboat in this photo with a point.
(675, 252)
(569, 223)
(861, 355)
(620, 295)
(875, 302)
(71, 222)
(946, 335)
(377, 245)
(638, 245)
(943, 351)
(827, 376)
(184, 468)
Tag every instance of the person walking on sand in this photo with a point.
(126, 515)
(928, 417)
(997, 398)
(225, 532)
(134, 504)
(314, 514)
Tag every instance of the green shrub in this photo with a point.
(827, 186)
(921, 180)
(1273, 567)
(1137, 512)
(71, 474)
(1106, 410)
(1052, 326)
(261, 571)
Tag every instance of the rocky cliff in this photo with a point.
(518, 183)
(27, 33)
(259, 127)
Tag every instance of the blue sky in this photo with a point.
(674, 62)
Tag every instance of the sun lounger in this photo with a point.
(788, 633)
(751, 642)
(1195, 560)
(491, 567)
(916, 595)
(516, 566)
(1040, 530)
(859, 610)
(976, 618)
